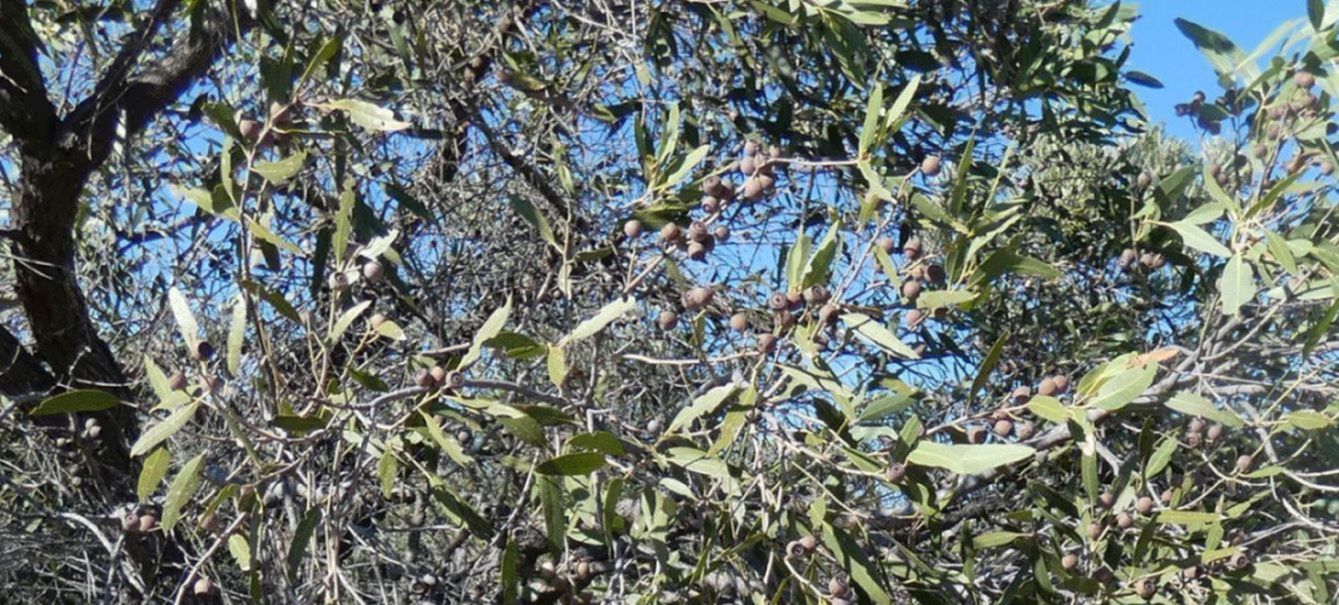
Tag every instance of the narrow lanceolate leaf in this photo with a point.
(1049, 408)
(236, 336)
(967, 459)
(491, 328)
(278, 171)
(581, 463)
(83, 400)
(1124, 387)
(872, 110)
(532, 215)
(1309, 420)
(1160, 458)
(685, 167)
(1199, 239)
(878, 335)
(607, 315)
(181, 490)
(346, 319)
(297, 549)
(160, 432)
(152, 472)
(368, 115)
(181, 311)
(708, 403)
(448, 444)
(1237, 286)
(1187, 402)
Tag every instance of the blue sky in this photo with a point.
(1162, 51)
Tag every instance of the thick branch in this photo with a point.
(25, 111)
(21, 374)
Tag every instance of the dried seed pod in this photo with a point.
(203, 587)
(373, 271)
(337, 281)
(711, 205)
(377, 320)
(697, 231)
(935, 274)
(1214, 433)
(1025, 430)
(913, 318)
(1145, 588)
(1239, 561)
(632, 229)
(1144, 180)
(698, 298)
(778, 301)
(1069, 561)
(1106, 500)
(1004, 428)
(809, 543)
(721, 233)
(816, 295)
(896, 471)
(911, 290)
(751, 147)
(423, 378)
(1143, 505)
(147, 522)
(794, 300)
(1304, 80)
(1047, 387)
(438, 375)
(1021, 395)
(203, 350)
(739, 322)
(455, 380)
(887, 244)
(671, 233)
(930, 166)
(1095, 530)
(1194, 440)
(1191, 573)
(753, 189)
(668, 320)
(837, 587)
(1165, 496)
(976, 435)
(1244, 463)
(1127, 259)
(1196, 425)
(748, 166)
(711, 185)
(766, 343)
(177, 382)
(784, 320)
(1061, 384)
(130, 523)
(828, 314)
(698, 251)
(1124, 520)
(912, 249)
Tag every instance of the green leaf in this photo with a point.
(510, 564)
(279, 171)
(344, 221)
(708, 403)
(599, 441)
(236, 336)
(151, 472)
(261, 230)
(387, 467)
(1315, 11)
(820, 266)
(870, 129)
(878, 335)
(607, 315)
(390, 329)
(1007, 261)
(1222, 54)
(490, 329)
(532, 215)
(1237, 285)
(685, 167)
(1199, 239)
(795, 261)
(345, 320)
(856, 563)
(1124, 387)
(83, 400)
(160, 432)
(447, 443)
(556, 363)
(240, 551)
(297, 548)
(327, 52)
(1309, 420)
(179, 493)
(1160, 458)
(1187, 517)
(891, 403)
(967, 459)
(996, 538)
(1187, 402)
(935, 299)
(368, 115)
(1049, 408)
(698, 461)
(181, 311)
(580, 463)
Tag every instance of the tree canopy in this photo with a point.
(758, 301)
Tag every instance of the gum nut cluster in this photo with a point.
(759, 169)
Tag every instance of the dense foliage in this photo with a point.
(855, 301)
